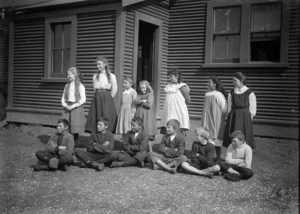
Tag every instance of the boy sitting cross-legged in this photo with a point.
(171, 149)
(135, 144)
(238, 159)
(58, 153)
(100, 146)
(202, 157)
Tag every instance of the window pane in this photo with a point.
(220, 47)
(233, 48)
(220, 20)
(268, 50)
(67, 35)
(66, 60)
(234, 20)
(258, 18)
(57, 36)
(57, 61)
(274, 17)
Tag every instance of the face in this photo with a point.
(200, 138)
(101, 126)
(211, 85)
(127, 85)
(71, 76)
(173, 78)
(170, 130)
(236, 142)
(237, 83)
(143, 88)
(101, 65)
(61, 128)
(135, 127)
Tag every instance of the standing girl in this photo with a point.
(214, 111)
(242, 109)
(177, 96)
(103, 105)
(127, 107)
(144, 104)
(72, 101)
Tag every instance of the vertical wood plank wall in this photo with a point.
(276, 88)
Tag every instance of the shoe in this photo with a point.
(64, 168)
(174, 169)
(232, 177)
(53, 163)
(142, 164)
(98, 166)
(116, 164)
(210, 175)
(155, 167)
(39, 167)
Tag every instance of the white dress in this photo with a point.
(175, 106)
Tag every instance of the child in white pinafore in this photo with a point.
(177, 96)
(127, 107)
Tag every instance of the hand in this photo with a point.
(175, 149)
(69, 108)
(105, 143)
(94, 144)
(197, 154)
(62, 147)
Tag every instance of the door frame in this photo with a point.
(157, 59)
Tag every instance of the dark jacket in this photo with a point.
(99, 139)
(136, 147)
(67, 140)
(174, 148)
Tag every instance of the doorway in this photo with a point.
(146, 51)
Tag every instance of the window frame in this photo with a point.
(47, 50)
(245, 57)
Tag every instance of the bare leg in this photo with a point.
(212, 169)
(166, 167)
(230, 170)
(186, 166)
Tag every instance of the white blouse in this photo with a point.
(221, 100)
(102, 83)
(252, 100)
(72, 97)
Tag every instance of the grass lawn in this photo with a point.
(273, 188)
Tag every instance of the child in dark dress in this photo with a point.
(242, 109)
(144, 104)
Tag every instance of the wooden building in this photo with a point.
(145, 38)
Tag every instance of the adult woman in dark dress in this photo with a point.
(242, 109)
(103, 105)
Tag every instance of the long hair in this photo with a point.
(147, 84)
(105, 61)
(78, 81)
(219, 85)
(175, 72)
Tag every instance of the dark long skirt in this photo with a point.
(239, 120)
(103, 105)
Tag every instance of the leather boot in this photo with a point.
(116, 164)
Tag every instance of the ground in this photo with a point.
(273, 188)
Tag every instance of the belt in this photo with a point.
(102, 90)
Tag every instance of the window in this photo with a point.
(226, 34)
(265, 32)
(246, 33)
(60, 46)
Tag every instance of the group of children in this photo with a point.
(135, 151)
(137, 124)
